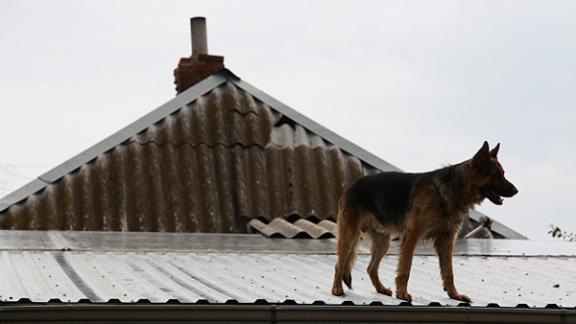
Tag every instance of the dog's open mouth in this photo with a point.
(493, 196)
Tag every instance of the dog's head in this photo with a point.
(488, 175)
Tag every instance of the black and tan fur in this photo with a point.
(429, 205)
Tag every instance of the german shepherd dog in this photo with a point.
(429, 205)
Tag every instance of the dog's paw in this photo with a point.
(337, 291)
(404, 295)
(384, 290)
(460, 297)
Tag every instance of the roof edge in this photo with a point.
(282, 312)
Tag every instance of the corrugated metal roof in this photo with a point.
(218, 155)
(210, 274)
(247, 277)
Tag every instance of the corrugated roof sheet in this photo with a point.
(301, 228)
(209, 274)
(209, 167)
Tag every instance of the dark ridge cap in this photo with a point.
(493, 305)
(434, 304)
(55, 301)
(405, 303)
(229, 74)
(289, 302)
(347, 303)
(24, 301)
(84, 301)
(318, 302)
(376, 303)
(202, 302)
(552, 306)
(261, 301)
(464, 304)
(114, 301)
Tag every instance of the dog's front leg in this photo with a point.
(444, 245)
(409, 240)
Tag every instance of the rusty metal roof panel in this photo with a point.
(129, 267)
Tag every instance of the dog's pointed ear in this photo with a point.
(483, 155)
(494, 151)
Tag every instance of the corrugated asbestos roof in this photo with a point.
(210, 166)
(220, 157)
(208, 268)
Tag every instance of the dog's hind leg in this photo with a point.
(380, 245)
(349, 222)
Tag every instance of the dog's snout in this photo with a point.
(510, 191)
(514, 190)
(507, 189)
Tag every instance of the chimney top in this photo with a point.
(200, 65)
(199, 38)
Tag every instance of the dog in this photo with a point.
(419, 206)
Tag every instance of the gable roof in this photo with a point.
(93, 189)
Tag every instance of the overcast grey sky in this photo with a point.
(419, 83)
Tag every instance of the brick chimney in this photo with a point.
(200, 65)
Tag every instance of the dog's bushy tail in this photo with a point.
(348, 235)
